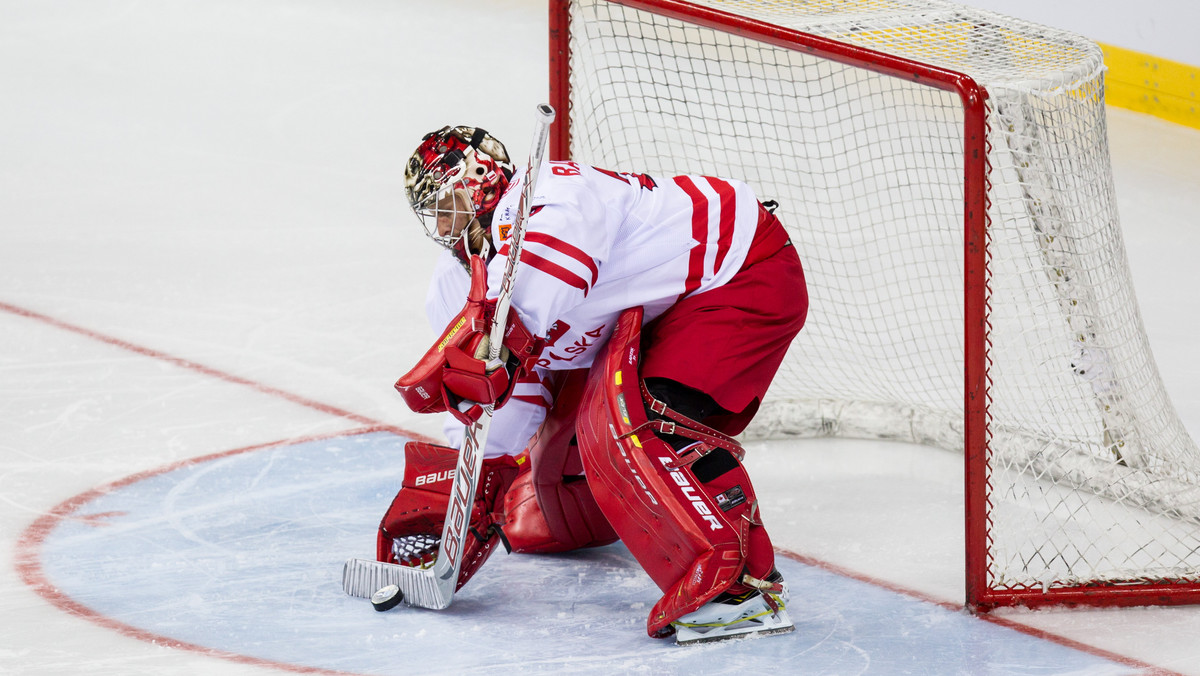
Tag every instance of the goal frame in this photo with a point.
(979, 593)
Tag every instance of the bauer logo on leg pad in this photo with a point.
(692, 495)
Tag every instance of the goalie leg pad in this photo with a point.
(412, 526)
(691, 523)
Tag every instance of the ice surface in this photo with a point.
(241, 553)
(200, 211)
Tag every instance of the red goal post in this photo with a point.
(595, 44)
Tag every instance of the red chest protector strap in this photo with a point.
(681, 425)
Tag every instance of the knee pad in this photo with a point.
(580, 522)
(562, 514)
(690, 517)
(411, 529)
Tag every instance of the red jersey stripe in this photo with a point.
(549, 267)
(699, 234)
(565, 249)
(728, 214)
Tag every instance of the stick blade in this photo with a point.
(420, 586)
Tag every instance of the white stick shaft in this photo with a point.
(470, 455)
(516, 239)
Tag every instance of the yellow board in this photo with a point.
(1150, 84)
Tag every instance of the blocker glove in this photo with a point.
(454, 374)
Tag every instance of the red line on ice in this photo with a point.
(1151, 670)
(206, 370)
(26, 555)
(29, 566)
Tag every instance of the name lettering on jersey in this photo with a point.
(580, 346)
(557, 329)
(692, 494)
(564, 168)
(434, 477)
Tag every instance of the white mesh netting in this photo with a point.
(1091, 476)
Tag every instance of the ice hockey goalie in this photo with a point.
(651, 315)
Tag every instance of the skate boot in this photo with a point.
(758, 612)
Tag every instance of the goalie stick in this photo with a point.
(434, 587)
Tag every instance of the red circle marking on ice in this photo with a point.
(29, 545)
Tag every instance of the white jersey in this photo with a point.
(596, 243)
(599, 242)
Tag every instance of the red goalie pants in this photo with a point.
(729, 342)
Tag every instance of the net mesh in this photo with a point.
(1091, 476)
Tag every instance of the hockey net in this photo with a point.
(945, 176)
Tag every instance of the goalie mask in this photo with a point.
(454, 180)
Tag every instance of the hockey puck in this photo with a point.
(387, 598)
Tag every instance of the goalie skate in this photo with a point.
(758, 612)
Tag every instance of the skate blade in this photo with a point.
(693, 636)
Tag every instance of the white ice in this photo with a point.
(204, 249)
